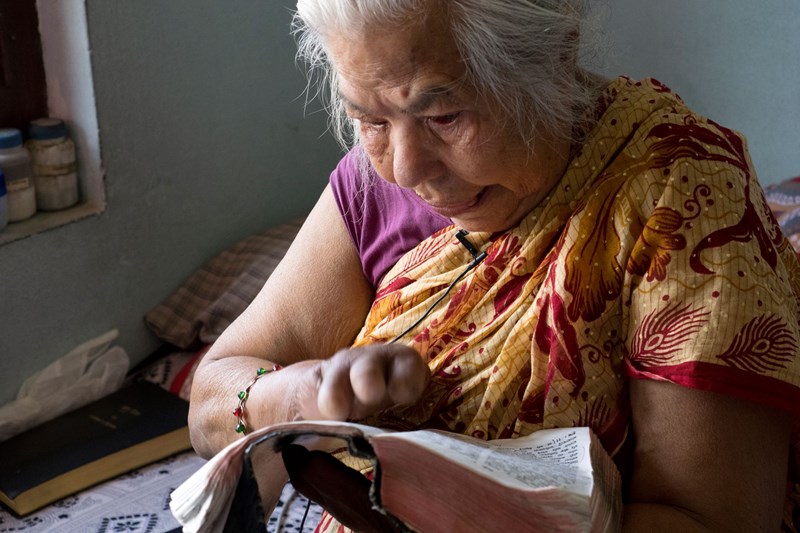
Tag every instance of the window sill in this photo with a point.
(42, 221)
(70, 97)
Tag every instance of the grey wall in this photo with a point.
(204, 141)
(736, 61)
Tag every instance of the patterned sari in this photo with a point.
(654, 257)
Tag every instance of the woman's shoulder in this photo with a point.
(647, 119)
(642, 97)
(384, 221)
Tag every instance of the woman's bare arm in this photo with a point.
(312, 305)
(705, 462)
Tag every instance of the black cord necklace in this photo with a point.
(477, 257)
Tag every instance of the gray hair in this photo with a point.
(522, 54)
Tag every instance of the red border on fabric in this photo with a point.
(180, 377)
(725, 380)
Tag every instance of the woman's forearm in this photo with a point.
(275, 397)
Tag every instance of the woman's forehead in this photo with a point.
(391, 58)
(417, 97)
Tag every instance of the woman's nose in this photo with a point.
(415, 160)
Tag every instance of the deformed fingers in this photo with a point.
(408, 377)
(360, 381)
(368, 377)
(335, 394)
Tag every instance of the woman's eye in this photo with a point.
(445, 120)
(371, 127)
(373, 124)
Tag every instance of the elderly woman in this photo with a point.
(619, 268)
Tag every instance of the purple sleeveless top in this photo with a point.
(383, 220)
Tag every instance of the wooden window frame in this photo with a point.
(23, 89)
(63, 33)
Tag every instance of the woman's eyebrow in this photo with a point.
(419, 103)
(352, 106)
(430, 96)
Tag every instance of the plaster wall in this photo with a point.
(204, 140)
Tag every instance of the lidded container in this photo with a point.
(3, 203)
(54, 168)
(16, 165)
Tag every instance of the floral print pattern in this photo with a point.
(655, 257)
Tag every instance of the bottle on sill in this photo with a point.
(53, 159)
(3, 203)
(16, 165)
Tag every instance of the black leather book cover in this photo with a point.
(134, 415)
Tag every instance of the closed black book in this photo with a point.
(137, 425)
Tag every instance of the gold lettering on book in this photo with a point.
(104, 422)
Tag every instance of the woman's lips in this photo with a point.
(454, 209)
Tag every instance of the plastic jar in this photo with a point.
(3, 203)
(16, 165)
(53, 160)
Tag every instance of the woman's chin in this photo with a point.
(488, 224)
(489, 219)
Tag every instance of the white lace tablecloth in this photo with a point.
(138, 502)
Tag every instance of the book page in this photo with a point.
(201, 503)
(547, 458)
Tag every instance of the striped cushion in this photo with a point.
(213, 296)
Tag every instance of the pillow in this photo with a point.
(213, 296)
(784, 200)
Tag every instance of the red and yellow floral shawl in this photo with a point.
(654, 257)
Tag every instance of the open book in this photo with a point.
(432, 481)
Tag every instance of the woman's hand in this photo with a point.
(357, 382)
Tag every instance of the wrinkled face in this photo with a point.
(424, 128)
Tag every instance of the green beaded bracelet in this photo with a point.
(241, 423)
